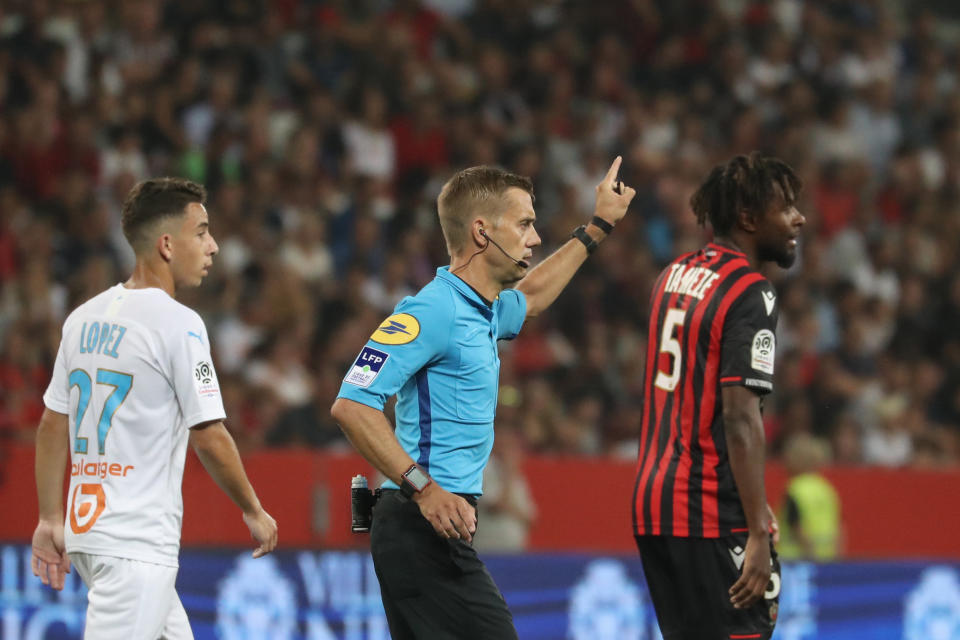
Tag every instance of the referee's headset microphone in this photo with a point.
(520, 263)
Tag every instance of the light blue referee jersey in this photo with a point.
(438, 354)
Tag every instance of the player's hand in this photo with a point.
(774, 525)
(755, 574)
(263, 529)
(450, 515)
(612, 206)
(50, 561)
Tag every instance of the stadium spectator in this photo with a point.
(810, 522)
(323, 131)
(507, 511)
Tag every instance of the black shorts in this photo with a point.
(689, 581)
(433, 588)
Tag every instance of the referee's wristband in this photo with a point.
(580, 233)
(601, 224)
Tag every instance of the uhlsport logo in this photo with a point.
(256, 602)
(932, 609)
(399, 328)
(606, 605)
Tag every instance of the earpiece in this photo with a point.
(521, 263)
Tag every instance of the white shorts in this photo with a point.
(131, 600)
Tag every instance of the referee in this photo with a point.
(438, 354)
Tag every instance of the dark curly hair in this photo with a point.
(748, 183)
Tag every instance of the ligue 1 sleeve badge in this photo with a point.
(205, 379)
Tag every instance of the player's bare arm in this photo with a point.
(545, 281)
(50, 561)
(743, 425)
(774, 524)
(218, 453)
(370, 433)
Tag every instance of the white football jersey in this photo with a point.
(133, 374)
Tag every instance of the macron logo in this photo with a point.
(737, 555)
(195, 335)
(769, 300)
(394, 327)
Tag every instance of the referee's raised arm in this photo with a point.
(545, 281)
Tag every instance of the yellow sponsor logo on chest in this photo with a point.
(399, 328)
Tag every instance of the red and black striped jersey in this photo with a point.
(712, 324)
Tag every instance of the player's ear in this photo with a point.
(164, 246)
(746, 221)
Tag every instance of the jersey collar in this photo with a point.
(468, 292)
(720, 247)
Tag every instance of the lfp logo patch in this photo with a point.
(399, 328)
(366, 368)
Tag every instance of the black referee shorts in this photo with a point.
(689, 581)
(432, 588)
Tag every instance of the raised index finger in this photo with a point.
(614, 168)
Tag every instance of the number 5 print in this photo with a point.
(671, 346)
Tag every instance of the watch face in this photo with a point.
(417, 478)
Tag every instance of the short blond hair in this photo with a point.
(472, 191)
(805, 453)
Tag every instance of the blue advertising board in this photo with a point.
(333, 595)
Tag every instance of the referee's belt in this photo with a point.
(469, 497)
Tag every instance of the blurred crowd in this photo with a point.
(323, 131)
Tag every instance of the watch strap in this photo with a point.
(413, 481)
(580, 233)
(601, 224)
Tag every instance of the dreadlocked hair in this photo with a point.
(748, 183)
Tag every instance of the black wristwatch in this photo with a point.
(580, 233)
(413, 481)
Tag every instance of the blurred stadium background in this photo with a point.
(323, 130)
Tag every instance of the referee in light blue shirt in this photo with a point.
(438, 354)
